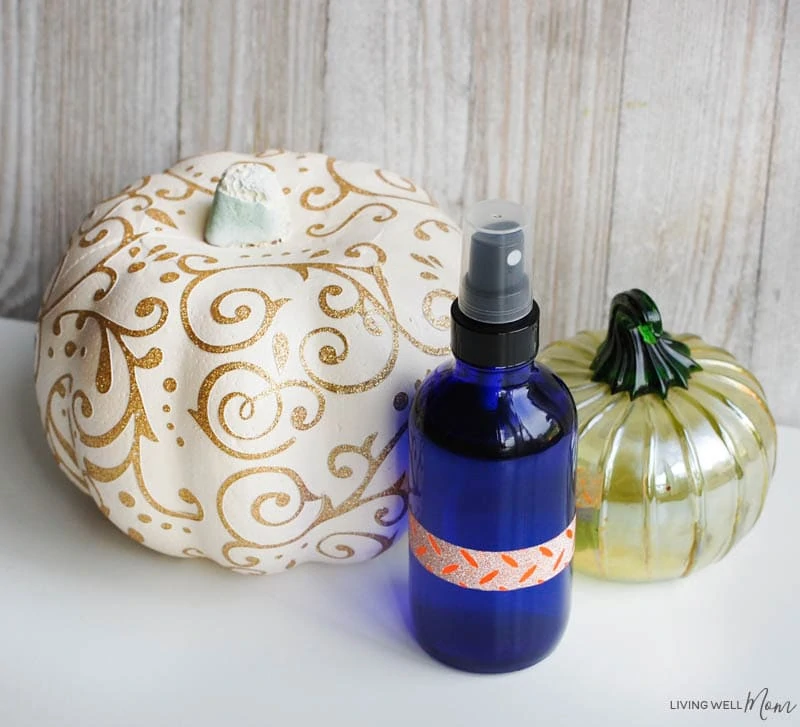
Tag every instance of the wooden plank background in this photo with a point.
(657, 142)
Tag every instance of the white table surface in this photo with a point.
(100, 632)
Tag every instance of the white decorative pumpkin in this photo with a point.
(248, 403)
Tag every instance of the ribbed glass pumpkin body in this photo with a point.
(665, 485)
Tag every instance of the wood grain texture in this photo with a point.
(397, 88)
(657, 142)
(252, 75)
(20, 251)
(776, 346)
(695, 131)
(543, 131)
(91, 91)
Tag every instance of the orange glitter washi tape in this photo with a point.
(491, 570)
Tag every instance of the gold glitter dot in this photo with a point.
(215, 179)
(287, 190)
(166, 526)
(135, 535)
(50, 352)
(135, 268)
(170, 385)
(104, 509)
(170, 426)
(183, 212)
(291, 564)
(70, 348)
(169, 277)
(126, 499)
(303, 170)
(197, 174)
(327, 355)
(159, 229)
(134, 251)
(145, 518)
(304, 545)
(180, 441)
(166, 408)
(190, 167)
(278, 557)
(187, 530)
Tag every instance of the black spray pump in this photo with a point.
(495, 319)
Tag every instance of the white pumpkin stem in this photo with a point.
(249, 207)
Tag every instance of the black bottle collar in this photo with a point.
(493, 345)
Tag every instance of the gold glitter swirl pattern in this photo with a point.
(440, 322)
(337, 547)
(388, 213)
(59, 432)
(241, 312)
(421, 234)
(291, 502)
(343, 189)
(236, 425)
(406, 185)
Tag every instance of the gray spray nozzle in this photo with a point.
(497, 264)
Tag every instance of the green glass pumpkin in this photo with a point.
(676, 448)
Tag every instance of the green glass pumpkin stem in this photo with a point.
(638, 356)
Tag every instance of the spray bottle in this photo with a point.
(492, 440)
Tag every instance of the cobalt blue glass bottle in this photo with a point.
(492, 440)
